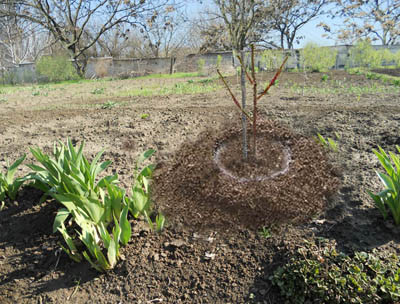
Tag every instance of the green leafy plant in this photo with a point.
(68, 171)
(324, 78)
(109, 105)
(388, 198)
(160, 222)
(219, 61)
(139, 202)
(9, 186)
(56, 68)
(316, 58)
(144, 116)
(317, 273)
(328, 143)
(200, 67)
(98, 91)
(362, 54)
(265, 232)
(96, 207)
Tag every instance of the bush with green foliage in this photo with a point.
(316, 58)
(200, 67)
(272, 59)
(362, 54)
(396, 59)
(317, 273)
(56, 68)
(386, 56)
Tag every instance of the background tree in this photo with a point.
(69, 20)
(287, 17)
(166, 33)
(20, 41)
(378, 20)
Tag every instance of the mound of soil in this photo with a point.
(193, 189)
(391, 72)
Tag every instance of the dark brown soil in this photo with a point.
(391, 72)
(210, 198)
(211, 250)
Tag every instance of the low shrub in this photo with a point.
(317, 59)
(362, 54)
(56, 68)
(200, 67)
(317, 273)
(272, 59)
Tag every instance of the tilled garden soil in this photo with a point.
(211, 250)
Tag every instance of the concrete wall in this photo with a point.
(102, 67)
(21, 73)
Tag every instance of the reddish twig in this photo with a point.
(233, 96)
(273, 79)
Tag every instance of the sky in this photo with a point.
(310, 31)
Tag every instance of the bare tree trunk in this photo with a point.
(243, 89)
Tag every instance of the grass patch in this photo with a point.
(168, 76)
(377, 76)
(343, 89)
(176, 89)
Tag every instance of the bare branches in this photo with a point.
(70, 21)
(378, 20)
(256, 96)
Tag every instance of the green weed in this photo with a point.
(9, 186)
(98, 91)
(109, 105)
(389, 198)
(328, 143)
(265, 233)
(317, 273)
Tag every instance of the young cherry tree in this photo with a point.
(240, 17)
(256, 96)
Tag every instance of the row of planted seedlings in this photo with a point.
(95, 210)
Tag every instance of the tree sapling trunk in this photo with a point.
(244, 118)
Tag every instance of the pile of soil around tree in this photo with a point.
(195, 191)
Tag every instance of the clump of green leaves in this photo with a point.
(265, 232)
(144, 116)
(316, 58)
(324, 78)
(9, 186)
(319, 274)
(388, 198)
(98, 91)
(328, 142)
(96, 207)
(109, 105)
(362, 54)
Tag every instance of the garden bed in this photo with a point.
(206, 254)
